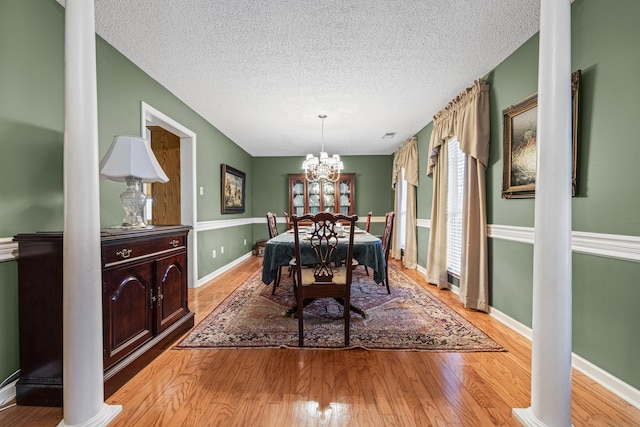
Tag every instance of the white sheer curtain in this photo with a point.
(466, 118)
(406, 157)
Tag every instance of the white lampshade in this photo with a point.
(130, 160)
(131, 156)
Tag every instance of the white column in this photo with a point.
(82, 290)
(551, 347)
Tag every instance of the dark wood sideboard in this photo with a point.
(144, 306)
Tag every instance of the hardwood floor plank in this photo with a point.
(388, 393)
(310, 387)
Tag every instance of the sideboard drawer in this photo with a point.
(128, 250)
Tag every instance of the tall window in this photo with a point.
(455, 187)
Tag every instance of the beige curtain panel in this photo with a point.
(406, 157)
(466, 118)
(437, 251)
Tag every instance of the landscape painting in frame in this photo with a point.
(520, 137)
(233, 189)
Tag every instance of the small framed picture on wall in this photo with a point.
(233, 190)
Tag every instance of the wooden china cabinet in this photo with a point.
(321, 196)
(144, 306)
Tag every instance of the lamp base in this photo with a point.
(133, 201)
(135, 221)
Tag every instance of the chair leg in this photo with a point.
(276, 281)
(347, 313)
(300, 323)
(386, 279)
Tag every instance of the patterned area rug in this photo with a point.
(408, 319)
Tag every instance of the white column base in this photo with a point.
(526, 418)
(103, 418)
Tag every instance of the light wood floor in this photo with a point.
(291, 387)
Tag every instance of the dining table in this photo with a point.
(367, 250)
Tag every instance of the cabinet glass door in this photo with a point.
(297, 192)
(345, 196)
(314, 197)
(329, 196)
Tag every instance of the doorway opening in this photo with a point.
(163, 199)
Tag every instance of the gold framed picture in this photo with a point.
(233, 190)
(520, 143)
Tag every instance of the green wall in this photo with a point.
(605, 290)
(424, 192)
(229, 243)
(31, 116)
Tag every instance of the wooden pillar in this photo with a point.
(551, 346)
(82, 291)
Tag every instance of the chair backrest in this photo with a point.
(272, 225)
(287, 220)
(386, 235)
(323, 235)
(368, 226)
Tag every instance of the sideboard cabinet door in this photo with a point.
(171, 282)
(126, 307)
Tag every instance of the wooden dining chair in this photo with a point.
(386, 245)
(367, 227)
(272, 225)
(324, 279)
(287, 220)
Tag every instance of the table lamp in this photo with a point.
(130, 160)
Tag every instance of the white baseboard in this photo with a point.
(597, 374)
(513, 324)
(606, 380)
(222, 269)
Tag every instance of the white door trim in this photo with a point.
(152, 117)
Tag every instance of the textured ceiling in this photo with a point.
(262, 71)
